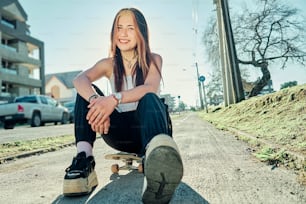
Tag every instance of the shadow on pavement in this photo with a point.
(127, 189)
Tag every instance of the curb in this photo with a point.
(299, 160)
(34, 152)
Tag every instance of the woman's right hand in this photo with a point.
(101, 128)
(99, 111)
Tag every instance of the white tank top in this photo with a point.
(129, 83)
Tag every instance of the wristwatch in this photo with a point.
(117, 96)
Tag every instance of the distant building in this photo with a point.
(170, 101)
(60, 87)
(22, 68)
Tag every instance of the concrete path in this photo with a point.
(217, 169)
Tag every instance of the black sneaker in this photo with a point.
(80, 177)
(163, 170)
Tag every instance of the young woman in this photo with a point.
(133, 119)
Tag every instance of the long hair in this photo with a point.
(142, 49)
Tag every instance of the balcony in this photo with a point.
(8, 71)
(8, 23)
(11, 54)
(9, 47)
(12, 77)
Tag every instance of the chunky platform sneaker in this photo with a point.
(80, 177)
(163, 170)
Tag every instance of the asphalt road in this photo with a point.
(217, 169)
(26, 132)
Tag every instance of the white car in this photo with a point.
(33, 109)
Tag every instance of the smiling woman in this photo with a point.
(134, 119)
(86, 38)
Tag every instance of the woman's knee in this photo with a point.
(149, 97)
(151, 102)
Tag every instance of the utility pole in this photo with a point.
(232, 83)
(195, 29)
(202, 80)
(199, 85)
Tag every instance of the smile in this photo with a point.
(123, 41)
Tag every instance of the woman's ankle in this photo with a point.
(86, 147)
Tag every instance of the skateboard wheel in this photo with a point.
(140, 168)
(115, 168)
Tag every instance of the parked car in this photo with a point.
(70, 106)
(33, 109)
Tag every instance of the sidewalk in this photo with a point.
(218, 168)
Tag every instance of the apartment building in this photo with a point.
(22, 68)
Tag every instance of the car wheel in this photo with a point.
(65, 118)
(9, 125)
(36, 120)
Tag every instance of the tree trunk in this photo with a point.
(262, 82)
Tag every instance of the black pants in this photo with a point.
(129, 131)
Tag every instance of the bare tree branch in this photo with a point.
(272, 33)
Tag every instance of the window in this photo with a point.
(27, 99)
(51, 101)
(43, 100)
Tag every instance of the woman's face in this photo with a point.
(126, 34)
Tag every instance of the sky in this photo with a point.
(76, 34)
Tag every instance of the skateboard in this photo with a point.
(128, 159)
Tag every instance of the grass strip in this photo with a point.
(19, 147)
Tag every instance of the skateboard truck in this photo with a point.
(128, 159)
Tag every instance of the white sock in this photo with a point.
(86, 147)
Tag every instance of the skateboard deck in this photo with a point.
(127, 159)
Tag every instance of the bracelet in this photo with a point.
(92, 97)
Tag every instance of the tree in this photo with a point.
(215, 88)
(181, 106)
(211, 41)
(272, 33)
(288, 84)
